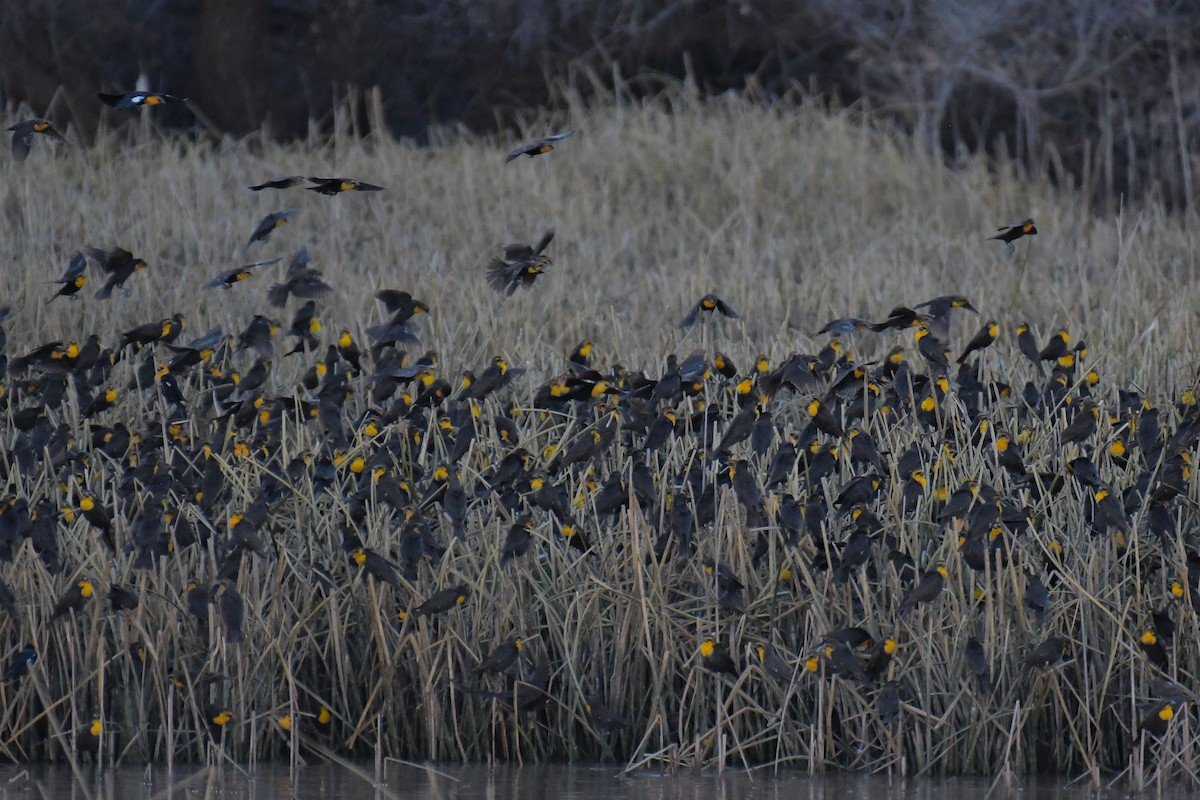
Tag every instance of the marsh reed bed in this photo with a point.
(334, 509)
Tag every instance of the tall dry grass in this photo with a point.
(793, 215)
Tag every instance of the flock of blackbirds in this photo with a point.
(835, 471)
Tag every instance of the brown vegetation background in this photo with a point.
(1099, 95)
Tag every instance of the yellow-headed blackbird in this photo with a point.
(859, 490)
(282, 182)
(269, 223)
(900, 317)
(332, 186)
(887, 703)
(863, 449)
(152, 332)
(443, 601)
(375, 565)
(724, 365)
(1049, 652)
(348, 350)
(571, 532)
(1057, 347)
(879, 658)
(839, 659)
(745, 485)
(844, 326)
(73, 279)
(774, 664)
(520, 265)
(540, 147)
(939, 309)
(960, 502)
(135, 99)
(19, 664)
(22, 139)
(400, 304)
(1010, 233)
(982, 339)
(660, 430)
(233, 609)
(1028, 346)
(581, 356)
(1150, 644)
(1109, 512)
(709, 303)
(1156, 718)
(502, 657)
(927, 589)
(97, 515)
(300, 280)
(318, 719)
(87, 737)
(932, 349)
(716, 658)
(823, 419)
(119, 264)
(73, 599)
(216, 717)
(231, 276)
(939, 306)
(498, 375)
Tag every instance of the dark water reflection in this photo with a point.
(509, 783)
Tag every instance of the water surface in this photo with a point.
(56, 782)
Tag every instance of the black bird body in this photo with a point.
(520, 265)
(540, 147)
(119, 264)
(711, 304)
(331, 186)
(300, 280)
(1010, 233)
(129, 100)
(20, 663)
(23, 133)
